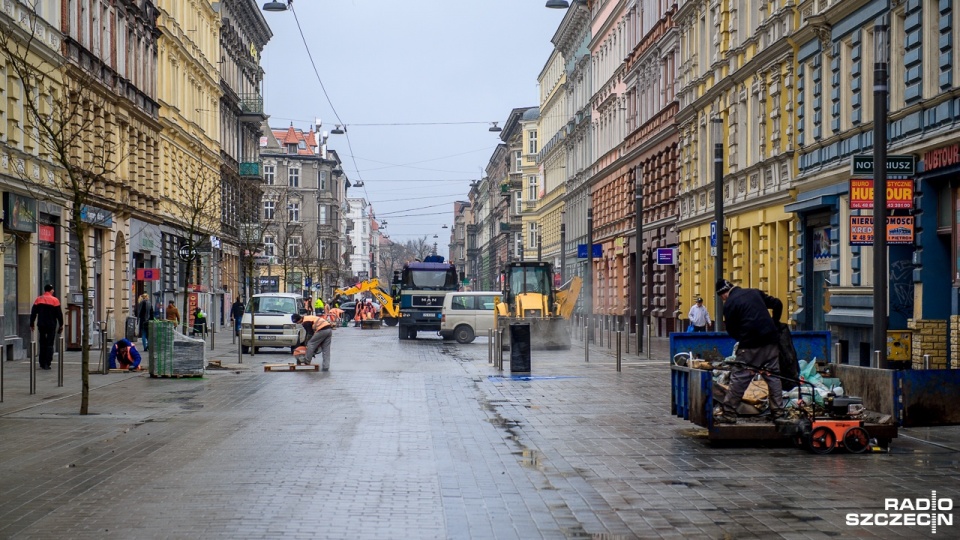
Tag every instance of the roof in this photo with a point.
(531, 114)
(293, 135)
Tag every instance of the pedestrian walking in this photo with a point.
(699, 316)
(124, 355)
(172, 314)
(47, 316)
(747, 321)
(236, 315)
(321, 340)
(144, 313)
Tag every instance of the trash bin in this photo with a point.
(519, 348)
(130, 329)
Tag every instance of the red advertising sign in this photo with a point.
(148, 274)
(899, 194)
(47, 233)
(899, 230)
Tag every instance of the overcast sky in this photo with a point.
(406, 62)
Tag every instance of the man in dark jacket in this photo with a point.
(748, 321)
(48, 317)
(236, 315)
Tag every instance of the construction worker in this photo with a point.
(321, 340)
(318, 305)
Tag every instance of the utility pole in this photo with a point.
(881, 56)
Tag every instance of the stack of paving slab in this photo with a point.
(173, 354)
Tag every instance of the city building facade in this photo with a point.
(243, 35)
(300, 212)
(738, 67)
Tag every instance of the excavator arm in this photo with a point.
(567, 297)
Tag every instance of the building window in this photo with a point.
(291, 148)
(533, 187)
(532, 239)
(322, 214)
(323, 249)
(518, 202)
(269, 209)
(293, 211)
(293, 246)
(269, 245)
(518, 244)
(322, 180)
(269, 174)
(293, 177)
(532, 141)
(518, 160)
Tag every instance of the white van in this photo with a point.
(271, 313)
(466, 314)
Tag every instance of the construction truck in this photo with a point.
(529, 297)
(389, 311)
(420, 288)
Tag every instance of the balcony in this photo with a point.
(251, 169)
(251, 108)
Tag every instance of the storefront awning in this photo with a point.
(812, 203)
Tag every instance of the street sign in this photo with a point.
(582, 251)
(187, 252)
(666, 256)
(307, 282)
(713, 234)
(269, 284)
(862, 165)
(148, 274)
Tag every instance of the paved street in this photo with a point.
(424, 439)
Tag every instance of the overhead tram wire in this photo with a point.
(313, 64)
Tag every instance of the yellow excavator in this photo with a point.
(529, 297)
(389, 311)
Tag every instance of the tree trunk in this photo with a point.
(81, 228)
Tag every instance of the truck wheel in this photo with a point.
(390, 321)
(411, 333)
(245, 349)
(403, 332)
(464, 334)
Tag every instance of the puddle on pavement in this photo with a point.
(529, 458)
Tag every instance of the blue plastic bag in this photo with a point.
(690, 328)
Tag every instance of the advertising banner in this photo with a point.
(899, 194)
(899, 230)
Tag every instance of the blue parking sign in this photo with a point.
(713, 234)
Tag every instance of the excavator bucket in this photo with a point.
(567, 297)
(546, 334)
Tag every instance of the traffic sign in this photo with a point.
(187, 252)
(862, 165)
(713, 234)
(582, 251)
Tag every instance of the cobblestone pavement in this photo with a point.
(424, 439)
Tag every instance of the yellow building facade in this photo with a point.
(739, 67)
(551, 157)
(189, 98)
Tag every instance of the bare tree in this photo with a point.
(419, 247)
(393, 256)
(74, 152)
(195, 203)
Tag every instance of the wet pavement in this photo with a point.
(426, 439)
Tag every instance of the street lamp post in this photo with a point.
(563, 248)
(881, 56)
(638, 256)
(716, 124)
(588, 278)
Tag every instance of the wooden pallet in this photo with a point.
(291, 367)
